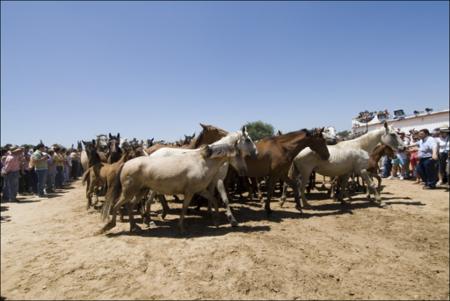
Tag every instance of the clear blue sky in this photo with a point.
(71, 70)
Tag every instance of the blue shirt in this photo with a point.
(426, 146)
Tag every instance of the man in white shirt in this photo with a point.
(428, 158)
(443, 143)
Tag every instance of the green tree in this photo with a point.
(259, 129)
(343, 134)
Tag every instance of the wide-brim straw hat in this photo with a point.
(444, 128)
(15, 149)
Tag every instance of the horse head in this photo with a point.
(391, 138)
(244, 147)
(318, 143)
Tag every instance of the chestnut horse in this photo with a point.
(275, 155)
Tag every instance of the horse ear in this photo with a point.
(321, 130)
(93, 142)
(110, 137)
(244, 130)
(204, 126)
(118, 135)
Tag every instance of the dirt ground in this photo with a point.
(49, 251)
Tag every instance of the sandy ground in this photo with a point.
(48, 251)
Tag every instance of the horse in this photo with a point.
(103, 174)
(186, 173)
(275, 155)
(373, 169)
(341, 156)
(115, 152)
(209, 134)
(218, 180)
(379, 151)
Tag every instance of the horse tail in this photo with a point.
(293, 171)
(112, 194)
(85, 176)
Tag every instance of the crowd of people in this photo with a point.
(38, 170)
(366, 116)
(425, 158)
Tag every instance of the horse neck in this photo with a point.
(294, 144)
(94, 159)
(368, 141)
(378, 152)
(203, 138)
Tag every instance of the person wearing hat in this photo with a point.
(11, 172)
(39, 161)
(443, 142)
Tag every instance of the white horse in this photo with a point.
(216, 182)
(184, 172)
(345, 157)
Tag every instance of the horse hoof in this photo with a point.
(135, 228)
(299, 208)
(232, 221)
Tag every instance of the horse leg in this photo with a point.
(304, 180)
(370, 185)
(165, 207)
(294, 185)
(186, 202)
(88, 197)
(379, 181)
(147, 205)
(223, 194)
(211, 198)
(130, 207)
(270, 187)
(283, 194)
(112, 223)
(342, 182)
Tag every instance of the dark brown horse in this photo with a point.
(115, 152)
(275, 155)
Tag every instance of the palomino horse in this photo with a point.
(275, 155)
(218, 181)
(186, 173)
(341, 157)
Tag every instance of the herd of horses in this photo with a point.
(132, 174)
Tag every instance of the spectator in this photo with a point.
(387, 167)
(25, 181)
(11, 172)
(74, 155)
(39, 161)
(59, 163)
(428, 156)
(443, 153)
(51, 171)
(67, 166)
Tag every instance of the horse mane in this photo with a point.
(288, 136)
(216, 150)
(196, 141)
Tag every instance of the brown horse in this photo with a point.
(209, 134)
(115, 152)
(379, 151)
(275, 155)
(102, 174)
